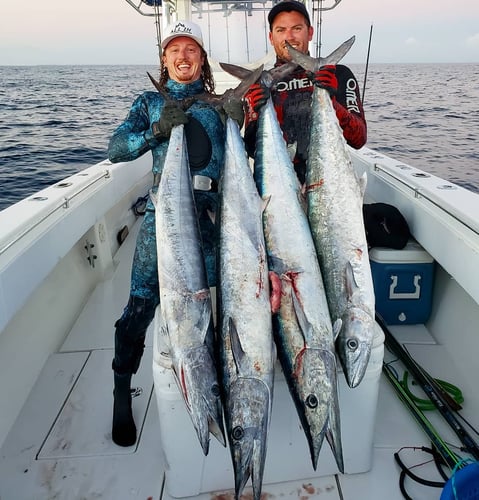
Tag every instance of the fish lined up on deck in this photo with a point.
(302, 325)
(246, 347)
(335, 199)
(185, 296)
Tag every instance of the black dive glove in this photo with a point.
(171, 116)
(234, 109)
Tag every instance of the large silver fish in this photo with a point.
(303, 330)
(184, 294)
(246, 344)
(335, 199)
(302, 325)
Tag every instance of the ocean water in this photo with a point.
(57, 120)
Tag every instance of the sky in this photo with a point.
(112, 32)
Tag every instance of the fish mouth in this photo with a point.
(354, 344)
(196, 376)
(250, 416)
(314, 389)
(356, 362)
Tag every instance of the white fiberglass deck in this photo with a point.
(61, 448)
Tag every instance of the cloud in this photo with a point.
(411, 41)
(473, 41)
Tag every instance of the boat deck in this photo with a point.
(60, 446)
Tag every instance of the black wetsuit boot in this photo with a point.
(129, 345)
(123, 429)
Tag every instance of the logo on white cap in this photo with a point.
(183, 28)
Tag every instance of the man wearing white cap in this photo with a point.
(184, 73)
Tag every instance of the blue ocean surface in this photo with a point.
(57, 120)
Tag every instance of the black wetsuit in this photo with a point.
(292, 101)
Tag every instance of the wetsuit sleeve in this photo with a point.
(133, 137)
(349, 108)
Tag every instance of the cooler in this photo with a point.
(403, 281)
(190, 473)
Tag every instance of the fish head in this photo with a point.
(354, 343)
(249, 416)
(196, 376)
(314, 383)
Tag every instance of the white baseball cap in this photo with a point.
(182, 28)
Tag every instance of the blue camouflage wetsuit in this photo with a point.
(205, 136)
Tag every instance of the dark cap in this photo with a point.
(287, 6)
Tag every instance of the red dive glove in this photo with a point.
(255, 98)
(325, 78)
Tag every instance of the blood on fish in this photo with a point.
(299, 363)
(183, 385)
(292, 275)
(275, 297)
(315, 185)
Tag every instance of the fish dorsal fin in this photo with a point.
(236, 347)
(304, 324)
(265, 202)
(351, 283)
(337, 328)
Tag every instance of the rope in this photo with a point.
(406, 472)
(426, 404)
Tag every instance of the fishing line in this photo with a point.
(367, 63)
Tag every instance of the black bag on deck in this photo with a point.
(385, 226)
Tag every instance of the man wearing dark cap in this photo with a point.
(289, 21)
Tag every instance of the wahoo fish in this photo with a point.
(302, 326)
(185, 299)
(246, 347)
(335, 199)
(303, 329)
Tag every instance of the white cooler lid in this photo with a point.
(412, 252)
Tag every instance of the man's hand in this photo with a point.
(171, 116)
(234, 109)
(255, 99)
(325, 78)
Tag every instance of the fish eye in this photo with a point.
(238, 433)
(215, 389)
(312, 401)
(352, 344)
